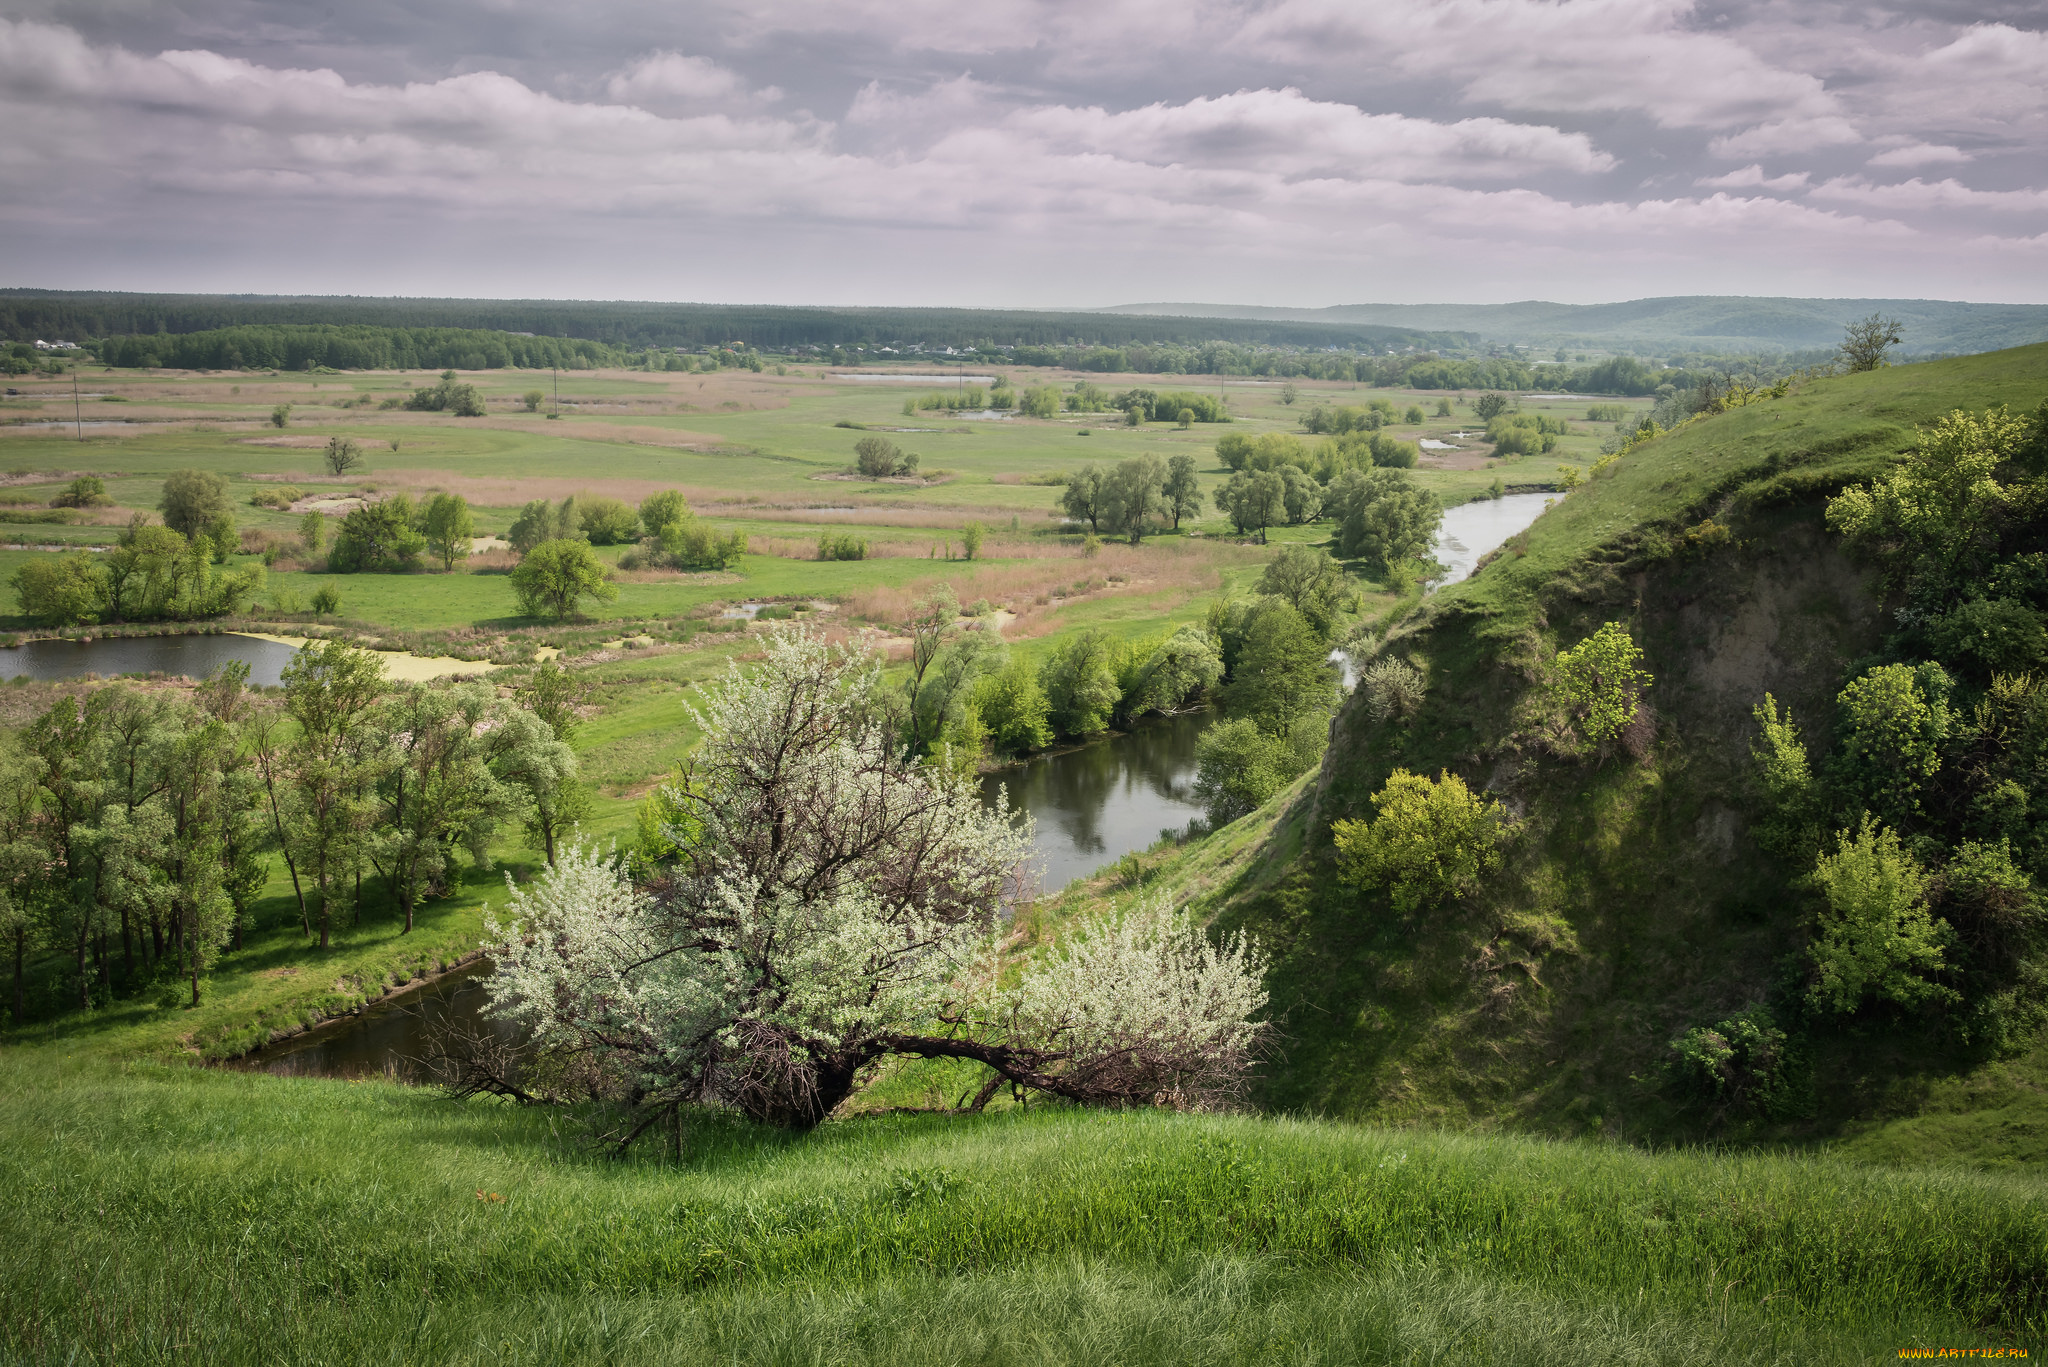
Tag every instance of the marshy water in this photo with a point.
(194, 655)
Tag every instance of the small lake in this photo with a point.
(194, 656)
(1099, 802)
(1470, 530)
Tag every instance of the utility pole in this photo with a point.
(77, 413)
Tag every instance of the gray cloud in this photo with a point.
(1028, 151)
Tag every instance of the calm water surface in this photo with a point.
(195, 656)
(1101, 801)
(385, 1039)
(1470, 530)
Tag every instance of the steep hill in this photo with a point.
(1637, 901)
(1683, 323)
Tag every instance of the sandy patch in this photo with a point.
(400, 666)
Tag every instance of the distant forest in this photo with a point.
(221, 332)
(26, 315)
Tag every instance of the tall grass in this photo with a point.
(158, 1212)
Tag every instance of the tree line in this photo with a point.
(77, 315)
(136, 825)
(279, 346)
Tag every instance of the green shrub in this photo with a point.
(1427, 842)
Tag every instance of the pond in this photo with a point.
(1470, 530)
(1098, 802)
(194, 655)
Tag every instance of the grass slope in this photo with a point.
(169, 1214)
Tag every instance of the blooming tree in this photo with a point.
(829, 903)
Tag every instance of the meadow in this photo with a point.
(171, 1214)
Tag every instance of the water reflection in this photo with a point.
(1098, 803)
(195, 656)
(1470, 530)
(385, 1039)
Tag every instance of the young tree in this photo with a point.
(342, 455)
(1310, 580)
(1934, 521)
(1426, 843)
(970, 540)
(607, 521)
(195, 503)
(329, 687)
(1866, 341)
(1895, 720)
(557, 575)
(1601, 680)
(1182, 492)
(63, 590)
(313, 531)
(1280, 670)
(1085, 499)
(377, 536)
(533, 398)
(662, 509)
(1490, 406)
(449, 528)
(540, 521)
(436, 791)
(527, 753)
(1012, 706)
(1135, 495)
(879, 458)
(554, 695)
(1875, 938)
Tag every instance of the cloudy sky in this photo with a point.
(1028, 152)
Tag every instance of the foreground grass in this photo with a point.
(164, 1213)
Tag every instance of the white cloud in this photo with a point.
(1918, 154)
(674, 82)
(1752, 177)
(1917, 194)
(1283, 131)
(1787, 137)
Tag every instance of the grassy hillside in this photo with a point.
(1636, 902)
(171, 1214)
